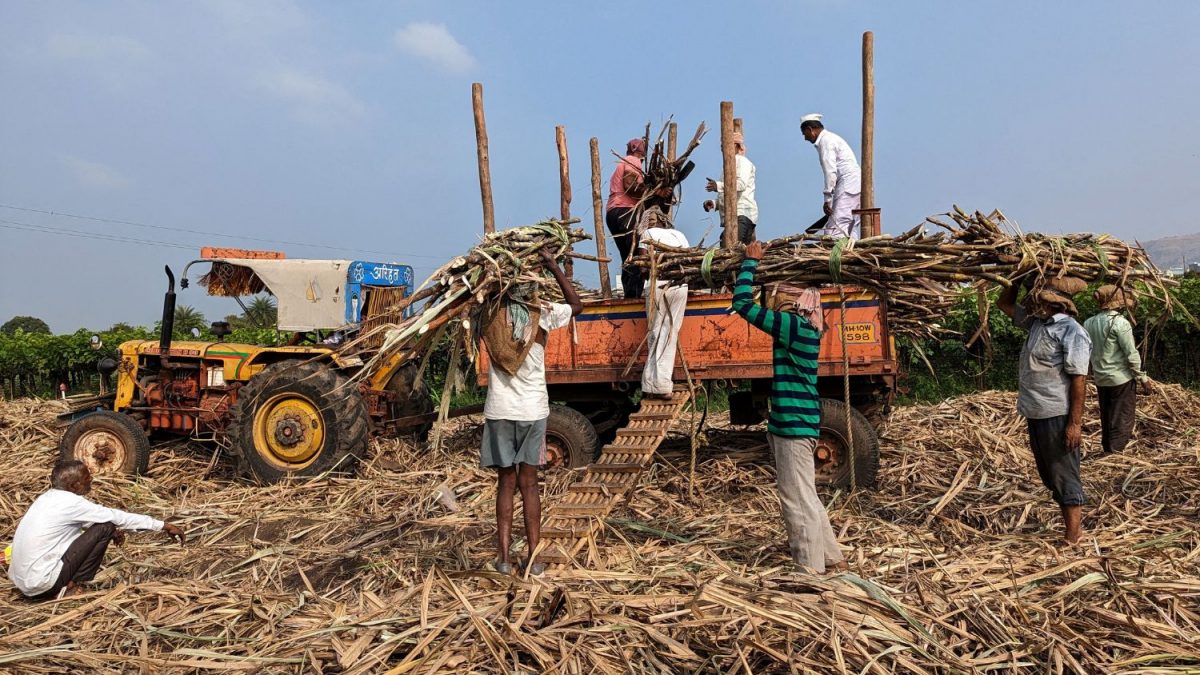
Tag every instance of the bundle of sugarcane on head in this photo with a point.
(505, 261)
(921, 273)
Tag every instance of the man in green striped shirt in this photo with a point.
(794, 422)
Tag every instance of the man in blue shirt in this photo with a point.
(1052, 382)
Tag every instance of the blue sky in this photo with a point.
(348, 125)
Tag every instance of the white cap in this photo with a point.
(811, 117)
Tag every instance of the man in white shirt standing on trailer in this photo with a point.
(843, 189)
(51, 552)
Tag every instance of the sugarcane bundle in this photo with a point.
(921, 273)
(454, 298)
(661, 174)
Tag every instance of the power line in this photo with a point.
(116, 221)
(14, 225)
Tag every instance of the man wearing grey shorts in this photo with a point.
(516, 408)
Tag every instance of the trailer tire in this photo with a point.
(412, 399)
(831, 457)
(109, 443)
(298, 419)
(571, 440)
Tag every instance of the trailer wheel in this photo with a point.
(832, 457)
(298, 419)
(412, 399)
(108, 443)
(571, 439)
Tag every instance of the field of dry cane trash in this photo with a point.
(954, 566)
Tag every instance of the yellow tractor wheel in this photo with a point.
(298, 419)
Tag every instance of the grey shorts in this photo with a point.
(507, 443)
(1057, 466)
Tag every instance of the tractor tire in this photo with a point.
(412, 399)
(832, 457)
(109, 443)
(571, 439)
(298, 419)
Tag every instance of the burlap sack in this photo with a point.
(505, 352)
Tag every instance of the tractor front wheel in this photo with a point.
(108, 443)
(298, 419)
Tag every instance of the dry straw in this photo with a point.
(954, 566)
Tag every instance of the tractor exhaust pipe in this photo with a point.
(168, 316)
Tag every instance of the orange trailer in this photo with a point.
(594, 367)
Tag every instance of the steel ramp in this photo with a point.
(573, 520)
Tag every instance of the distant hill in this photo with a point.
(1171, 252)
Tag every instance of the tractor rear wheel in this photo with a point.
(108, 443)
(298, 419)
(832, 455)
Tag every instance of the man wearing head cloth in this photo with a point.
(843, 189)
(624, 190)
(747, 207)
(1051, 385)
(794, 419)
(1116, 366)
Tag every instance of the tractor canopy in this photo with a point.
(311, 294)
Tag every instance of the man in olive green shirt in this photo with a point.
(1116, 366)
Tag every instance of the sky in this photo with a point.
(345, 130)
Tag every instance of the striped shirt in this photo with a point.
(795, 405)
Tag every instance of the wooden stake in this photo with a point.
(598, 216)
(481, 148)
(729, 177)
(564, 185)
(672, 130)
(868, 121)
(564, 173)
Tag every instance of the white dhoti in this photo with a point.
(842, 221)
(662, 339)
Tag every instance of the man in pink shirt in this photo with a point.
(624, 191)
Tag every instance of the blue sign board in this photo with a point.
(368, 274)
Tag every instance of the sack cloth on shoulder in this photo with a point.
(506, 351)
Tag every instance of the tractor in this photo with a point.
(302, 409)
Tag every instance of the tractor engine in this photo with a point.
(174, 397)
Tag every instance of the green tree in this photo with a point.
(260, 313)
(187, 318)
(29, 324)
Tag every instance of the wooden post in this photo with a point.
(564, 185)
(598, 216)
(481, 148)
(729, 177)
(672, 130)
(737, 125)
(868, 121)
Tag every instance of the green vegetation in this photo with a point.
(1170, 347)
(33, 362)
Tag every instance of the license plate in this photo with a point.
(858, 333)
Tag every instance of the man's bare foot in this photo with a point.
(839, 566)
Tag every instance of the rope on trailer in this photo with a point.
(846, 388)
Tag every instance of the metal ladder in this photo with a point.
(572, 521)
